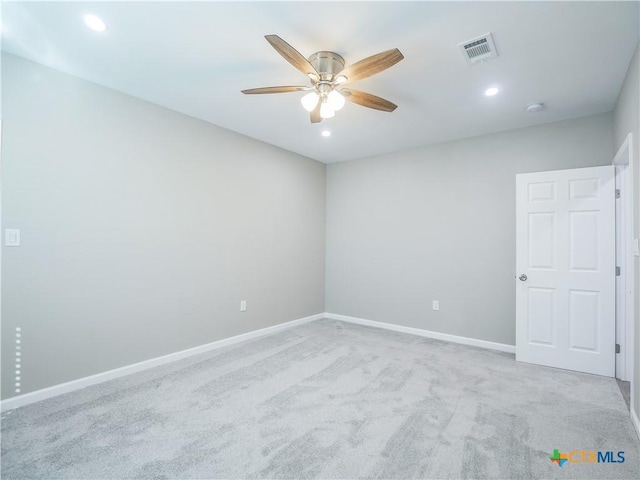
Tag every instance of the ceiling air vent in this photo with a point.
(479, 49)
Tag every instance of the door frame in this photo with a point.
(625, 245)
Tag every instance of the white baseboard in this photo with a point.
(635, 421)
(425, 333)
(55, 390)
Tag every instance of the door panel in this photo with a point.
(541, 240)
(539, 192)
(541, 326)
(583, 241)
(587, 188)
(565, 245)
(584, 314)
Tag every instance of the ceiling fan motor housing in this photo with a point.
(327, 64)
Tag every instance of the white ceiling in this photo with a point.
(195, 57)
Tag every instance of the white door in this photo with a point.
(565, 258)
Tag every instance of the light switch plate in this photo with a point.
(11, 237)
(636, 247)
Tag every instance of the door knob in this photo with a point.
(523, 278)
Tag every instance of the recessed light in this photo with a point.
(95, 23)
(326, 133)
(490, 92)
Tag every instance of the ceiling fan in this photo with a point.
(328, 76)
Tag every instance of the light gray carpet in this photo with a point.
(625, 390)
(327, 400)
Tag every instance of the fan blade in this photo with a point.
(372, 65)
(315, 114)
(368, 100)
(291, 55)
(274, 90)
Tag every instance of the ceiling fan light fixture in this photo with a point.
(335, 100)
(327, 73)
(326, 111)
(310, 101)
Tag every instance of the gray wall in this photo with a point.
(142, 229)
(438, 223)
(625, 121)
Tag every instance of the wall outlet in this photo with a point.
(436, 305)
(243, 305)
